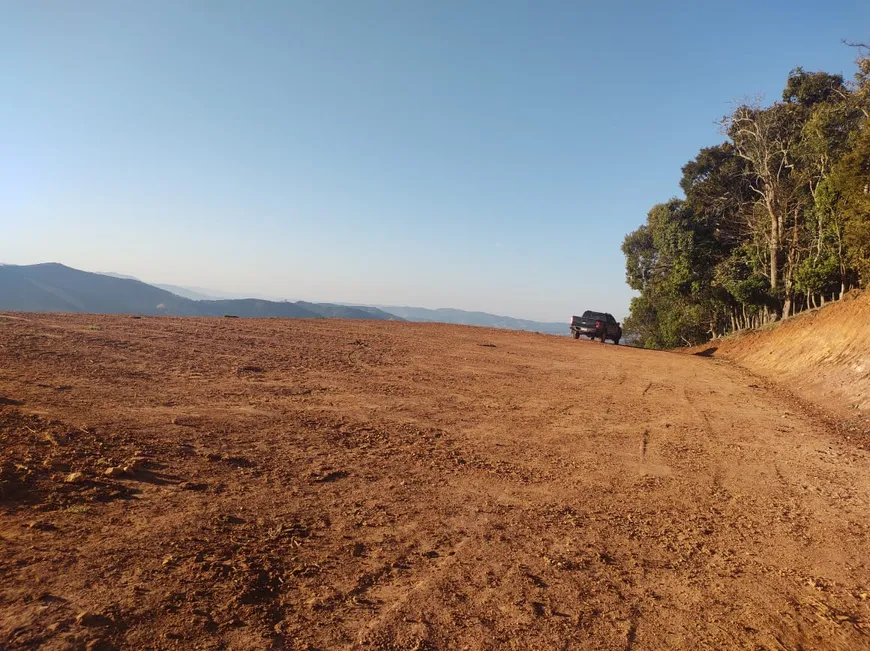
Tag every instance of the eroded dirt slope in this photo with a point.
(823, 355)
(320, 485)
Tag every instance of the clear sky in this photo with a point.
(482, 155)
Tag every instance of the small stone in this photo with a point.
(92, 619)
(137, 463)
(99, 645)
(864, 596)
(129, 470)
(74, 478)
(358, 549)
(315, 603)
(114, 471)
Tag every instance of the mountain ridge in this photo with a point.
(392, 312)
(54, 287)
(474, 318)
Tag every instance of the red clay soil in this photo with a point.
(822, 355)
(369, 485)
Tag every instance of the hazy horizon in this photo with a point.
(486, 157)
(218, 293)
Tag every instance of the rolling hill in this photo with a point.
(332, 311)
(187, 292)
(391, 313)
(53, 287)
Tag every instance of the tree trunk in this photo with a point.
(789, 308)
(774, 252)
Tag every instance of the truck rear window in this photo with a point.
(594, 315)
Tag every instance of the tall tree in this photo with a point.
(766, 139)
(774, 220)
(850, 182)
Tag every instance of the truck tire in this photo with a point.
(576, 335)
(616, 341)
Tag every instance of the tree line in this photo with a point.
(775, 220)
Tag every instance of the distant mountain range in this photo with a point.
(191, 293)
(462, 317)
(195, 293)
(53, 287)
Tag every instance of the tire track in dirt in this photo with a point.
(399, 597)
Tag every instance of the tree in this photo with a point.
(811, 88)
(670, 260)
(850, 183)
(775, 220)
(766, 139)
(640, 258)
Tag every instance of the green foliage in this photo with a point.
(811, 88)
(669, 261)
(742, 281)
(665, 322)
(640, 257)
(774, 219)
(821, 276)
(850, 182)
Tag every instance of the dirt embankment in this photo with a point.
(171, 483)
(822, 356)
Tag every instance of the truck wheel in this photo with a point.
(576, 335)
(616, 341)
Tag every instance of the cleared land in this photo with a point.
(413, 486)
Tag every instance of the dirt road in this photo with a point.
(320, 485)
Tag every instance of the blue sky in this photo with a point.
(479, 155)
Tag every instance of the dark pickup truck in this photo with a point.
(596, 324)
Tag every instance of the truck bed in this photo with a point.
(584, 322)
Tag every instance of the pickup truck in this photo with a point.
(596, 324)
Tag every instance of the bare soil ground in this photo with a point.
(822, 355)
(330, 484)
